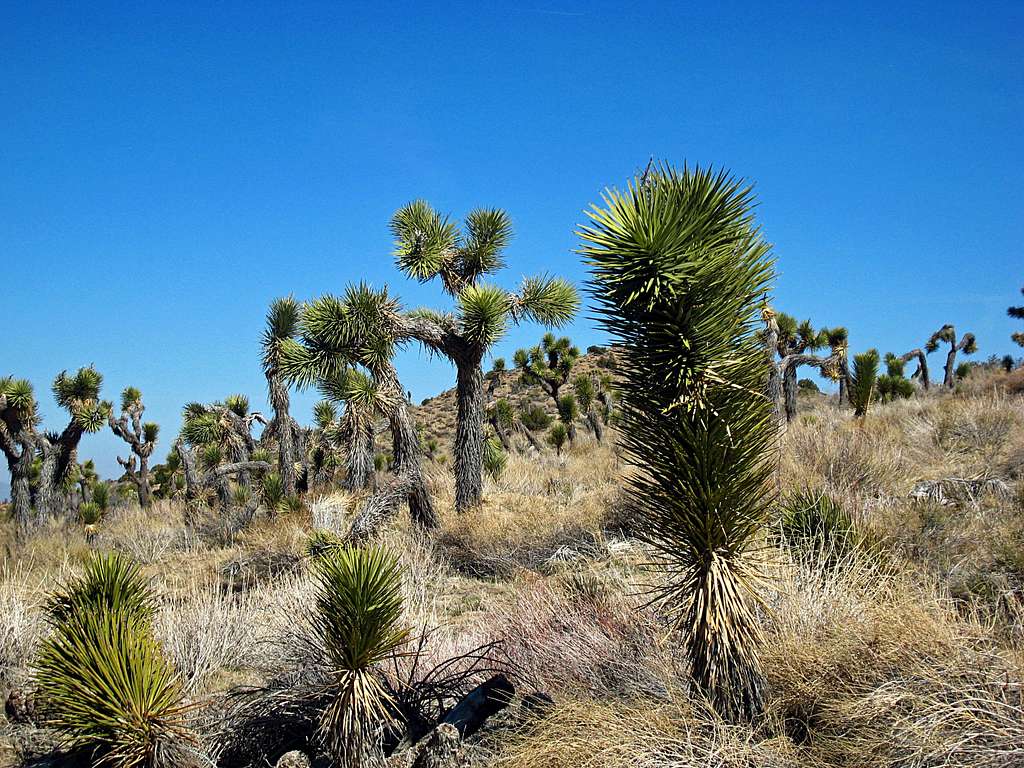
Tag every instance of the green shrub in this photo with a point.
(862, 381)
(273, 491)
(814, 521)
(535, 418)
(89, 512)
(321, 543)
(557, 437)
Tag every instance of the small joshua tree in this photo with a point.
(363, 406)
(548, 365)
(282, 323)
(921, 373)
(141, 438)
(966, 344)
(862, 382)
(586, 396)
(557, 436)
(18, 420)
(679, 270)
(502, 419)
(1018, 313)
(893, 385)
(428, 246)
(793, 342)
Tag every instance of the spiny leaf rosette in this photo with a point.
(103, 681)
(357, 626)
(680, 272)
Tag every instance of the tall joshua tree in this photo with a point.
(1017, 312)
(679, 271)
(18, 420)
(966, 344)
(428, 246)
(79, 395)
(361, 328)
(282, 323)
(141, 438)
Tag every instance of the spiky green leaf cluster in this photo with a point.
(495, 459)
(557, 436)
(282, 324)
(110, 583)
(863, 378)
(815, 524)
(550, 301)
(680, 272)
(130, 397)
(357, 624)
(483, 314)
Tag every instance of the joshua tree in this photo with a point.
(1017, 312)
(428, 246)
(324, 446)
(363, 406)
(502, 419)
(548, 365)
(921, 373)
(557, 436)
(586, 396)
(222, 434)
(679, 269)
(282, 323)
(141, 438)
(1007, 363)
(57, 452)
(361, 328)
(967, 345)
(862, 382)
(18, 420)
(791, 342)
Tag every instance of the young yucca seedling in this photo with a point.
(111, 582)
(273, 491)
(495, 458)
(357, 626)
(89, 512)
(101, 496)
(557, 437)
(862, 381)
(103, 682)
(321, 543)
(814, 522)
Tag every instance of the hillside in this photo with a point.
(435, 416)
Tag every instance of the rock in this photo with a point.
(293, 759)
(440, 748)
(958, 490)
(20, 706)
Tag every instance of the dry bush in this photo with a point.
(22, 626)
(538, 508)
(673, 733)
(869, 669)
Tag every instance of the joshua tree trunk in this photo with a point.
(19, 462)
(922, 365)
(789, 389)
(408, 483)
(469, 432)
(595, 424)
(502, 433)
(284, 431)
(359, 460)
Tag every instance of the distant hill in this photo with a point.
(435, 416)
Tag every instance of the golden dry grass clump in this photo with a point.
(905, 651)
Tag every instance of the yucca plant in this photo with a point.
(321, 543)
(1018, 313)
(814, 523)
(680, 273)
(495, 458)
(272, 491)
(586, 397)
(89, 513)
(111, 582)
(18, 420)
(862, 382)
(141, 438)
(103, 682)
(282, 324)
(557, 437)
(357, 626)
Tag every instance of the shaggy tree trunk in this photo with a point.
(789, 389)
(19, 462)
(48, 495)
(595, 425)
(922, 366)
(469, 433)
(284, 431)
(948, 379)
(408, 483)
(359, 458)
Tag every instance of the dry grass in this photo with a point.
(905, 654)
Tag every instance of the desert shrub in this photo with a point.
(321, 544)
(557, 436)
(535, 418)
(89, 512)
(807, 385)
(272, 491)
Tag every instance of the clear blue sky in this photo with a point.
(166, 171)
